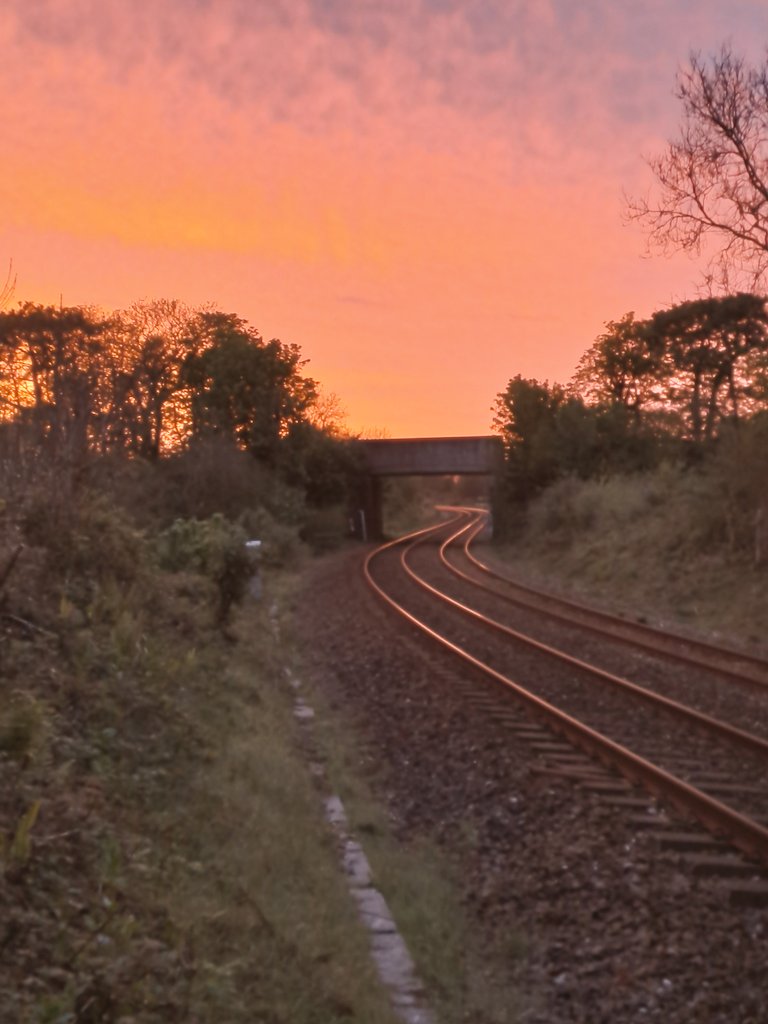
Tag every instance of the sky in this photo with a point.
(427, 196)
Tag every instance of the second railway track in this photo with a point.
(712, 775)
(743, 668)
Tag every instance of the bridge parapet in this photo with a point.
(433, 456)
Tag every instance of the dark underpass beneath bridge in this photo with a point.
(449, 457)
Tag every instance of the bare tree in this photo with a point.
(328, 414)
(8, 287)
(712, 181)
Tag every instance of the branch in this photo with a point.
(9, 286)
(7, 569)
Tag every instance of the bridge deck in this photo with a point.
(432, 456)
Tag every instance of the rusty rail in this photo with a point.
(742, 832)
(757, 744)
(650, 638)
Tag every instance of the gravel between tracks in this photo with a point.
(694, 686)
(614, 932)
(659, 736)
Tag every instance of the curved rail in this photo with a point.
(757, 744)
(699, 653)
(742, 832)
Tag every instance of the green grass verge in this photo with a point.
(179, 868)
(466, 971)
(653, 545)
(264, 902)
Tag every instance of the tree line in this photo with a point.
(156, 378)
(643, 391)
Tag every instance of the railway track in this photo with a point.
(702, 767)
(741, 667)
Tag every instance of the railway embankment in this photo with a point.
(668, 547)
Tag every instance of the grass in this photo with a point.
(466, 972)
(163, 852)
(270, 912)
(654, 545)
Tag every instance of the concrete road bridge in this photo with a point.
(419, 456)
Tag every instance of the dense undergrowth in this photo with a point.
(162, 853)
(681, 545)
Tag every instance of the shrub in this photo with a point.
(673, 510)
(325, 528)
(84, 536)
(280, 541)
(213, 547)
(739, 471)
(213, 476)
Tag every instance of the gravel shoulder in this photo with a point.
(583, 919)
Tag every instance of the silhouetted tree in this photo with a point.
(149, 343)
(549, 433)
(525, 416)
(701, 350)
(619, 367)
(324, 466)
(712, 181)
(56, 383)
(243, 387)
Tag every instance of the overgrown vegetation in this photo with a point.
(646, 478)
(162, 851)
(684, 389)
(644, 392)
(673, 546)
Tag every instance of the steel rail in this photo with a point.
(691, 716)
(614, 625)
(742, 832)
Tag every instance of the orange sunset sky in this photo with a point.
(425, 195)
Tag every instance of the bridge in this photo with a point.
(419, 456)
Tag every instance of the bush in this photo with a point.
(280, 541)
(671, 511)
(213, 547)
(325, 528)
(213, 476)
(739, 470)
(83, 536)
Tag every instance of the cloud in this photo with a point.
(331, 63)
(319, 112)
(373, 176)
(448, 77)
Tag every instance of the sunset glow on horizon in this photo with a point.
(426, 196)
